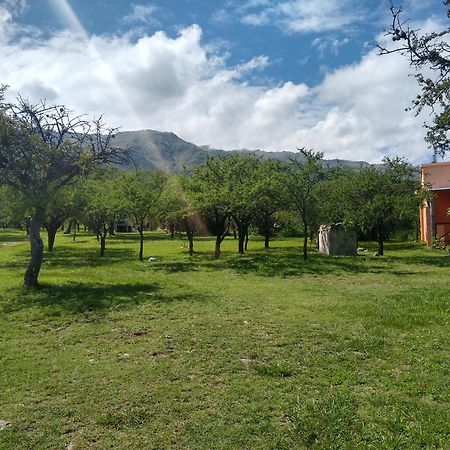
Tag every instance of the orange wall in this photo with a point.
(425, 225)
(441, 206)
(438, 175)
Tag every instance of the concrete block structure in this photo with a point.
(336, 239)
(434, 221)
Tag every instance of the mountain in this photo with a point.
(152, 149)
(160, 150)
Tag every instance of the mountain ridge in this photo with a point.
(152, 149)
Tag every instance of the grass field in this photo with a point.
(261, 351)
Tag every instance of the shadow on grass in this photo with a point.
(148, 237)
(68, 256)
(401, 259)
(441, 260)
(281, 262)
(71, 257)
(90, 298)
(6, 236)
(288, 261)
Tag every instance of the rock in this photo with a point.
(4, 424)
(246, 360)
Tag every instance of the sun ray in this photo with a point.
(68, 16)
(66, 13)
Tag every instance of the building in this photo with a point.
(434, 221)
(123, 227)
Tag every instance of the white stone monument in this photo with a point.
(337, 239)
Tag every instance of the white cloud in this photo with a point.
(222, 16)
(329, 44)
(17, 7)
(420, 5)
(143, 14)
(9, 10)
(304, 16)
(178, 84)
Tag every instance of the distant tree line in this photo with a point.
(57, 171)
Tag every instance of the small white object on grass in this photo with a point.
(246, 360)
(3, 424)
(152, 259)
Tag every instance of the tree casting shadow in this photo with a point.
(90, 298)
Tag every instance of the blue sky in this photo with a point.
(296, 55)
(266, 74)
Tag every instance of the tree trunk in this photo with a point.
(191, 244)
(141, 242)
(217, 250)
(190, 228)
(380, 232)
(102, 234)
(51, 234)
(171, 229)
(37, 252)
(242, 233)
(69, 227)
(241, 241)
(246, 240)
(111, 231)
(52, 225)
(221, 232)
(305, 241)
(266, 240)
(102, 245)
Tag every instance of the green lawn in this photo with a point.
(261, 351)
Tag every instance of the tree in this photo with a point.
(105, 203)
(270, 198)
(301, 180)
(42, 149)
(234, 188)
(177, 208)
(243, 181)
(12, 208)
(142, 192)
(208, 188)
(429, 54)
(379, 199)
(66, 205)
(336, 193)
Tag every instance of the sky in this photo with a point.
(256, 74)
